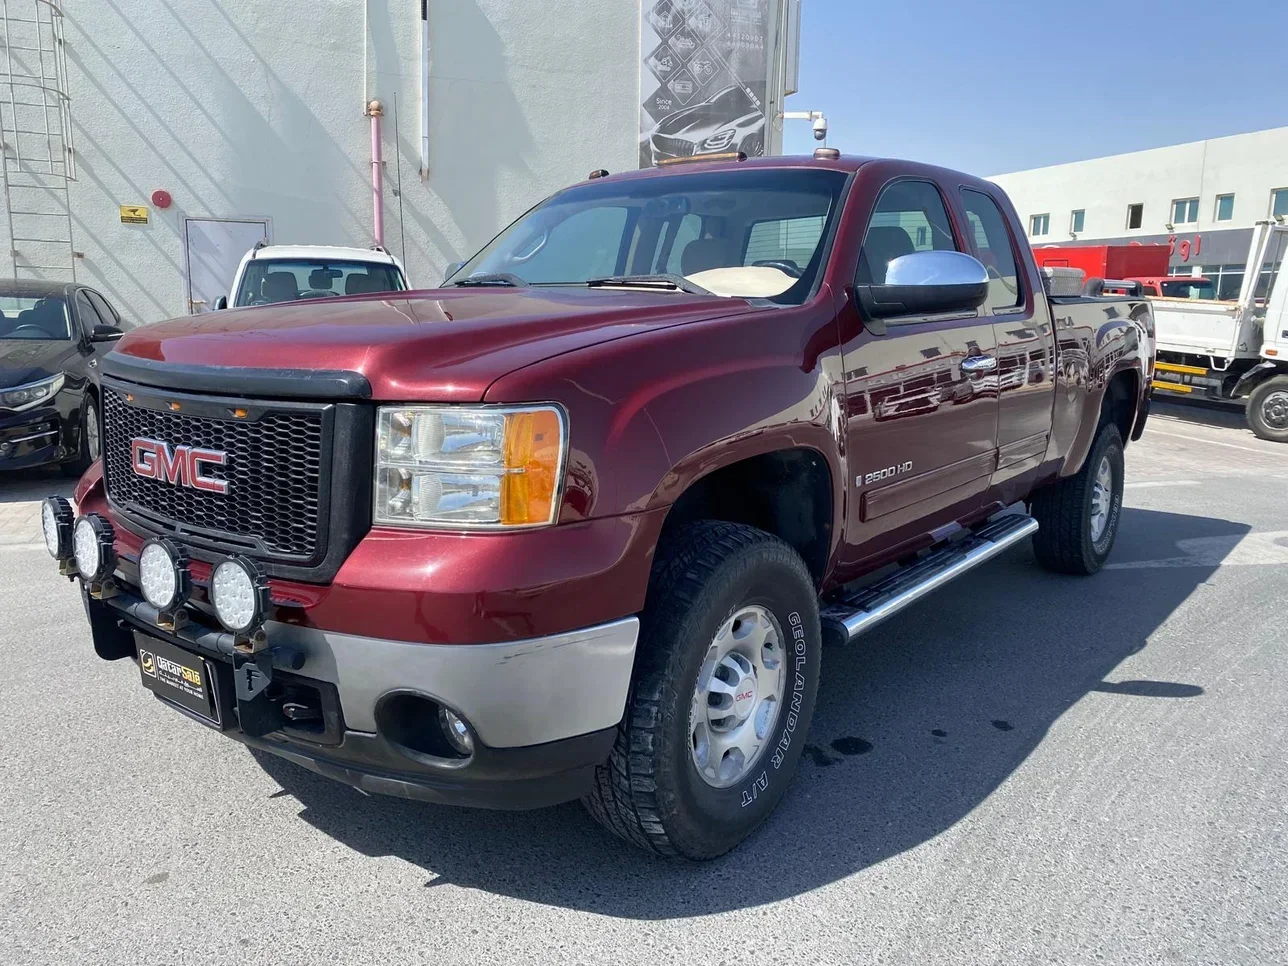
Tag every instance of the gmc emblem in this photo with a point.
(182, 466)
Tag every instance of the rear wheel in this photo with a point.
(1268, 409)
(724, 689)
(1078, 516)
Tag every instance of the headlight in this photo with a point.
(32, 394)
(462, 467)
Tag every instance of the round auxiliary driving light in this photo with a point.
(163, 574)
(239, 591)
(92, 540)
(56, 522)
(458, 732)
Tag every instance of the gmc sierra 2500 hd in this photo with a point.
(577, 524)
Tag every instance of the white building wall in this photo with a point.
(250, 109)
(1249, 166)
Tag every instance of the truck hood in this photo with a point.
(444, 345)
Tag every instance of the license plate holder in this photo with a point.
(186, 680)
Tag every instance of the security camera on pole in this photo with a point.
(820, 122)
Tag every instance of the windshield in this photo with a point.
(751, 233)
(1189, 288)
(34, 317)
(269, 280)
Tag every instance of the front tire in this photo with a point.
(90, 439)
(1268, 409)
(1078, 515)
(725, 681)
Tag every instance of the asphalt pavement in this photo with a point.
(1024, 768)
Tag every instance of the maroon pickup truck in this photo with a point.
(578, 523)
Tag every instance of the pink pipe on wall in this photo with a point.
(376, 111)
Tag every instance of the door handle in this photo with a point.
(979, 364)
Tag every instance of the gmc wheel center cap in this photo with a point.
(744, 698)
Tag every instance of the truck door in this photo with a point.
(921, 400)
(1025, 355)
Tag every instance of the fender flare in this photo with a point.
(1254, 376)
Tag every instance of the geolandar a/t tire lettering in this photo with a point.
(729, 640)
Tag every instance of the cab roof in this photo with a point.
(846, 163)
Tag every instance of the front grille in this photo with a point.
(276, 457)
(668, 147)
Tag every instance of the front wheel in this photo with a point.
(1078, 515)
(90, 445)
(724, 688)
(1268, 409)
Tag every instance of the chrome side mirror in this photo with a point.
(926, 283)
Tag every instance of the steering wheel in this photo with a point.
(784, 265)
(30, 328)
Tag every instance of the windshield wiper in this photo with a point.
(666, 280)
(499, 279)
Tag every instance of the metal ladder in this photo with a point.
(38, 154)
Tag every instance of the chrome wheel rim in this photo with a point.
(1102, 497)
(1274, 409)
(92, 442)
(737, 698)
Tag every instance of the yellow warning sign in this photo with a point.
(134, 214)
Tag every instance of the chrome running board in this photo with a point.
(848, 616)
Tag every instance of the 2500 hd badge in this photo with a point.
(578, 523)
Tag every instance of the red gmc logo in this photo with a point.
(182, 466)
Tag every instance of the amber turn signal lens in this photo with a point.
(533, 443)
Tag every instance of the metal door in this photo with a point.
(215, 247)
(921, 399)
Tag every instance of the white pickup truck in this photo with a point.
(1232, 350)
(287, 273)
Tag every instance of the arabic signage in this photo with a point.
(704, 68)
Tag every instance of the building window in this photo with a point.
(1135, 215)
(1041, 224)
(1224, 208)
(1185, 211)
(1077, 219)
(1279, 202)
(1227, 279)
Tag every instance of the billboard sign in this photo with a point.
(704, 71)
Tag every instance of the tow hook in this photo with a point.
(253, 673)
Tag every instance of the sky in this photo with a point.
(993, 86)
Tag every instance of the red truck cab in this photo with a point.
(577, 523)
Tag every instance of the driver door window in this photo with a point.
(88, 315)
(105, 310)
(909, 217)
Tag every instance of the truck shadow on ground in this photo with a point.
(914, 729)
